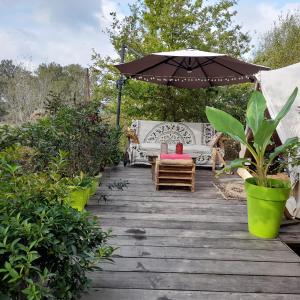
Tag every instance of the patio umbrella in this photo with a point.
(190, 69)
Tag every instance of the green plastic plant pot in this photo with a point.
(94, 185)
(265, 207)
(78, 199)
(87, 193)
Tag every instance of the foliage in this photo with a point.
(262, 131)
(9, 135)
(154, 26)
(46, 246)
(23, 93)
(118, 185)
(280, 46)
(91, 143)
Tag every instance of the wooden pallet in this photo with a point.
(175, 173)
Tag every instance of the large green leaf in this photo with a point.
(225, 123)
(255, 111)
(267, 127)
(288, 143)
(285, 109)
(264, 133)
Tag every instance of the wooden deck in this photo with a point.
(178, 245)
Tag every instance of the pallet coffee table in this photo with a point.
(152, 157)
(175, 173)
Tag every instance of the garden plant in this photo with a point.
(266, 197)
(48, 170)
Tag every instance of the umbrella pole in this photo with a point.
(120, 83)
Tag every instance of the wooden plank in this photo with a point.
(175, 194)
(192, 266)
(172, 224)
(138, 294)
(174, 184)
(149, 186)
(116, 200)
(208, 253)
(290, 238)
(197, 243)
(204, 282)
(174, 177)
(174, 217)
(240, 208)
(218, 234)
(223, 211)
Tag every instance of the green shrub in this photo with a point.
(46, 246)
(9, 135)
(91, 143)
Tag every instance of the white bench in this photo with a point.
(195, 138)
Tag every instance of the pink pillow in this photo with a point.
(175, 156)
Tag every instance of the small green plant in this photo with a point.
(262, 129)
(118, 185)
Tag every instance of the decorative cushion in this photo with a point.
(175, 156)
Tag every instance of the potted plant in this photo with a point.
(94, 184)
(80, 191)
(266, 197)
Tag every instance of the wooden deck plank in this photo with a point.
(192, 266)
(173, 217)
(174, 244)
(157, 241)
(196, 282)
(188, 210)
(137, 294)
(254, 255)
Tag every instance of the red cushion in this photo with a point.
(175, 156)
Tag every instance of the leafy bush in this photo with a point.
(46, 246)
(9, 135)
(91, 143)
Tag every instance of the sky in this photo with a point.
(66, 31)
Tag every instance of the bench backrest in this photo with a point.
(155, 132)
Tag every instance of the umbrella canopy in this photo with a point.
(190, 69)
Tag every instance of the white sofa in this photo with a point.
(194, 136)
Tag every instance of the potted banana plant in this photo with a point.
(266, 197)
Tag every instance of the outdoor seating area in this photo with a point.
(195, 138)
(150, 150)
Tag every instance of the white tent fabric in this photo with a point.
(277, 86)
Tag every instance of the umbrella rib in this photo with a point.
(151, 67)
(179, 66)
(204, 72)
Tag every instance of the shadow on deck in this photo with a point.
(178, 245)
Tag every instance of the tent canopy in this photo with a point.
(277, 86)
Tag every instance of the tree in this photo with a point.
(280, 46)
(165, 25)
(22, 93)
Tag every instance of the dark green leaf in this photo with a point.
(255, 111)
(281, 149)
(264, 133)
